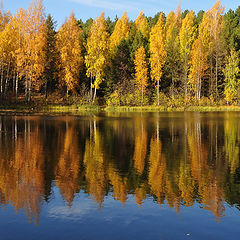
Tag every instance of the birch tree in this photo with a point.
(97, 55)
(157, 52)
(141, 70)
(69, 47)
(187, 36)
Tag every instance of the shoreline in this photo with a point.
(95, 108)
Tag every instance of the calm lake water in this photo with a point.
(120, 176)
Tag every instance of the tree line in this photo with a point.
(179, 58)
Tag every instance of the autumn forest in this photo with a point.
(179, 58)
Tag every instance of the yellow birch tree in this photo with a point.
(120, 32)
(141, 70)
(142, 25)
(4, 45)
(69, 47)
(18, 23)
(31, 55)
(157, 52)
(199, 57)
(7, 47)
(187, 35)
(172, 48)
(216, 48)
(97, 48)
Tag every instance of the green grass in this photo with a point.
(173, 109)
(135, 109)
(94, 108)
(16, 107)
(71, 108)
(213, 109)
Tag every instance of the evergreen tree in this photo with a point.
(50, 71)
(152, 21)
(231, 30)
(120, 69)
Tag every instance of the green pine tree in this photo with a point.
(50, 70)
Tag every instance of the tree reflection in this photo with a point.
(179, 163)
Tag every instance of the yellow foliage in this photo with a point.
(94, 165)
(97, 50)
(29, 29)
(216, 20)
(69, 47)
(199, 57)
(170, 24)
(141, 74)
(157, 169)
(120, 32)
(140, 149)
(142, 25)
(68, 166)
(186, 184)
(22, 174)
(119, 185)
(187, 35)
(157, 49)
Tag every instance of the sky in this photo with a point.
(84, 9)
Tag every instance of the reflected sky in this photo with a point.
(153, 175)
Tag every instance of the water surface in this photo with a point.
(120, 176)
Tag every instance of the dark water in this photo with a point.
(120, 176)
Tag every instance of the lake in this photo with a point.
(120, 176)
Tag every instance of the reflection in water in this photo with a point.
(177, 159)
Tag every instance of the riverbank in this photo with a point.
(94, 108)
(174, 109)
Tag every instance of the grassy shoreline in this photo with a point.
(174, 109)
(95, 108)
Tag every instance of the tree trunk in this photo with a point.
(158, 91)
(17, 86)
(46, 88)
(90, 98)
(1, 80)
(211, 77)
(26, 84)
(7, 79)
(216, 84)
(185, 80)
(95, 93)
(172, 85)
(29, 87)
(14, 81)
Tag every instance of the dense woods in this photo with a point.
(183, 58)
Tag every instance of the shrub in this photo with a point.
(163, 99)
(205, 101)
(113, 99)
